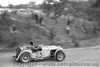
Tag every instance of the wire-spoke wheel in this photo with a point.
(25, 57)
(60, 56)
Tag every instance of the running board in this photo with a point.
(38, 58)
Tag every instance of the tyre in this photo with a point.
(60, 56)
(25, 57)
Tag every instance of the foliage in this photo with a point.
(97, 3)
(10, 5)
(76, 8)
(32, 4)
(20, 6)
(95, 10)
(0, 5)
(52, 34)
(53, 6)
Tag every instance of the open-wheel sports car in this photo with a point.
(35, 52)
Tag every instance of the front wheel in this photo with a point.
(25, 57)
(60, 56)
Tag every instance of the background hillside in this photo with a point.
(50, 34)
(84, 25)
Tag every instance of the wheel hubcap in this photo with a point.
(60, 56)
(25, 58)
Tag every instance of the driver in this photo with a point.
(34, 47)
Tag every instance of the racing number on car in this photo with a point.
(38, 54)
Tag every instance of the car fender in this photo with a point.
(28, 51)
(60, 49)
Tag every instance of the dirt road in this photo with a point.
(77, 57)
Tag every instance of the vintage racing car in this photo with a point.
(27, 53)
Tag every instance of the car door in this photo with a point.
(45, 52)
(37, 54)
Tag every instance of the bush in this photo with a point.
(1, 38)
(74, 40)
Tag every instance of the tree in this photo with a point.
(32, 4)
(97, 3)
(53, 6)
(56, 6)
(0, 5)
(21, 6)
(10, 5)
(52, 34)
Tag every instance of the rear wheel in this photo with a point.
(60, 56)
(25, 57)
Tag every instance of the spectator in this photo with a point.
(69, 20)
(67, 29)
(4, 15)
(13, 28)
(68, 26)
(36, 18)
(40, 20)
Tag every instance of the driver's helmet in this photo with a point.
(32, 43)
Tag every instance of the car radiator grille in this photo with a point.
(18, 50)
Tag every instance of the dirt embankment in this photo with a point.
(24, 32)
(28, 30)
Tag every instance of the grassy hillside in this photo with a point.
(51, 33)
(26, 31)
